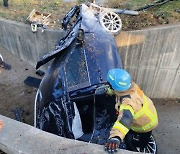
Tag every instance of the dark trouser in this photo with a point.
(134, 140)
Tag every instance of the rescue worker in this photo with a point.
(137, 115)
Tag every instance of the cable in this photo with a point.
(156, 3)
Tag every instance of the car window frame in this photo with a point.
(83, 84)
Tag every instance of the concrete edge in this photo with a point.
(17, 137)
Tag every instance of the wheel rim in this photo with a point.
(111, 22)
(150, 148)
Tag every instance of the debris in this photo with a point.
(38, 19)
(3, 64)
(19, 114)
(32, 81)
(176, 101)
(178, 10)
(40, 73)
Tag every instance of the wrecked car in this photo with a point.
(71, 100)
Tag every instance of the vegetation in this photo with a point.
(19, 10)
(168, 13)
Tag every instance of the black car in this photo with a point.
(71, 100)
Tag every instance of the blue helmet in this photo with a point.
(119, 79)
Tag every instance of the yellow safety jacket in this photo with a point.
(143, 113)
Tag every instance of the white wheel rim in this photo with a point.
(151, 147)
(111, 22)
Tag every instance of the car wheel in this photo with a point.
(150, 148)
(111, 22)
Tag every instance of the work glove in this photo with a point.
(110, 92)
(112, 145)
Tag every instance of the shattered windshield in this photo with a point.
(76, 70)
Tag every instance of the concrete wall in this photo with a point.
(22, 42)
(20, 138)
(152, 57)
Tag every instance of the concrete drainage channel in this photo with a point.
(11, 139)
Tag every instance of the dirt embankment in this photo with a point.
(168, 13)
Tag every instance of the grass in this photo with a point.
(168, 13)
(128, 4)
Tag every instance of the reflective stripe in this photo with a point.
(110, 76)
(149, 114)
(120, 127)
(123, 83)
(145, 111)
(127, 107)
(145, 127)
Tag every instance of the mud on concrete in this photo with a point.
(15, 94)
